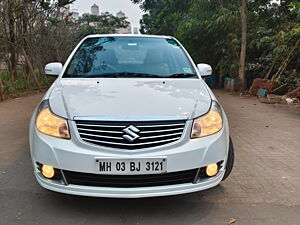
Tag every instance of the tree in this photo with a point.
(242, 66)
(102, 24)
(226, 33)
(35, 32)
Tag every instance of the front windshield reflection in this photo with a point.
(107, 57)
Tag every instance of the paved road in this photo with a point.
(264, 187)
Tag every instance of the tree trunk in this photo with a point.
(1, 90)
(41, 71)
(25, 45)
(270, 69)
(242, 64)
(282, 68)
(31, 69)
(12, 47)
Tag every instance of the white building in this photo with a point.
(95, 10)
(121, 15)
(126, 30)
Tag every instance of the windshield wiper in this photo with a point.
(182, 75)
(120, 75)
(133, 75)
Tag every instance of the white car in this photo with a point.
(129, 116)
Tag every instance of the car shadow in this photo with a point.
(193, 207)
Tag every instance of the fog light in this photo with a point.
(48, 171)
(212, 169)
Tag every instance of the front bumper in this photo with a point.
(141, 192)
(75, 155)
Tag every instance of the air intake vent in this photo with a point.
(127, 181)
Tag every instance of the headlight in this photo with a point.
(208, 124)
(50, 124)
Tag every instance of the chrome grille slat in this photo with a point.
(100, 136)
(130, 135)
(101, 131)
(166, 125)
(166, 135)
(160, 131)
(97, 125)
(145, 143)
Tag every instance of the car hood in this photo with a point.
(129, 99)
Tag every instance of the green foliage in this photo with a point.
(36, 32)
(273, 36)
(211, 31)
(49, 5)
(22, 84)
(103, 24)
(63, 3)
(208, 28)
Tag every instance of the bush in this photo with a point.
(22, 84)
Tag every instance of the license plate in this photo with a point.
(131, 166)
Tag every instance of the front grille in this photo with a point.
(126, 181)
(145, 134)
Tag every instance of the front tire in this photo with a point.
(230, 160)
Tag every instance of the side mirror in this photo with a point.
(53, 69)
(204, 69)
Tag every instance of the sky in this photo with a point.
(132, 11)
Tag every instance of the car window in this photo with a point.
(130, 57)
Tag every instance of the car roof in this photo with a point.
(128, 35)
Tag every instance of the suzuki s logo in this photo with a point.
(131, 133)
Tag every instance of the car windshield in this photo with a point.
(126, 57)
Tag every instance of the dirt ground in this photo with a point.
(264, 187)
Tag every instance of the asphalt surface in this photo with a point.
(264, 187)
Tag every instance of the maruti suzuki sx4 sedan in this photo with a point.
(129, 116)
